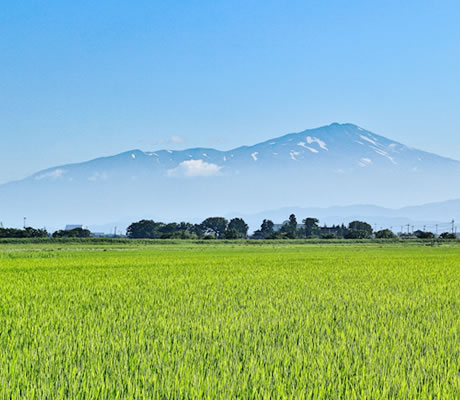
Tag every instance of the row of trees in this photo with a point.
(310, 228)
(23, 233)
(214, 227)
(236, 228)
(30, 232)
(72, 233)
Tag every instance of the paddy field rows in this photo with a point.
(195, 320)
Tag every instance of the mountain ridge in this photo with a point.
(204, 152)
(333, 164)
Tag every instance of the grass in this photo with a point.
(229, 320)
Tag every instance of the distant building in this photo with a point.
(70, 227)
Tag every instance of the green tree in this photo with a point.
(145, 229)
(215, 226)
(447, 236)
(311, 226)
(357, 234)
(360, 226)
(424, 235)
(238, 227)
(168, 231)
(72, 233)
(267, 228)
(385, 234)
(28, 232)
(292, 227)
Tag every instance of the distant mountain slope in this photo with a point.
(335, 164)
(337, 148)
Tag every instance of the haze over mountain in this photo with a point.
(339, 164)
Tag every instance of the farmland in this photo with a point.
(229, 320)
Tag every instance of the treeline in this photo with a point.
(210, 228)
(23, 233)
(235, 228)
(309, 228)
(30, 232)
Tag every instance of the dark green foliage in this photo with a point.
(447, 235)
(73, 233)
(336, 231)
(385, 234)
(267, 229)
(148, 229)
(28, 232)
(232, 234)
(357, 234)
(290, 227)
(237, 229)
(215, 226)
(360, 226)
(424, 235)
(311, 227)
(144, 229)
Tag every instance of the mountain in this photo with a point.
(336, 164)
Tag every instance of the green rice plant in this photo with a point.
(205, 320)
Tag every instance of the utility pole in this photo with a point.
(453, 226)
(408, 228)
(25, 219)
(436, 229)
(413, 227)
(424, 228)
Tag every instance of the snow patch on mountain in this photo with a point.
(322, 144)
(384, 154)
(55, 174)
(303, 144)
(368, 140)
(254, 155)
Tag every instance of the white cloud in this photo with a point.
(55, 174)
(193, 168)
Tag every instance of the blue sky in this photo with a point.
(85, 79)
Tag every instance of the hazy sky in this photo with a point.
(82, 79)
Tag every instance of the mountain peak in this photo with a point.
(333, 164)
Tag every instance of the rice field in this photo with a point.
(226, 321)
